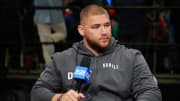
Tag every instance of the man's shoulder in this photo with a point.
(65, 53)
(125, 47)
(127, 50)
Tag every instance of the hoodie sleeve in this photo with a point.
(144, 85)
(48, 83)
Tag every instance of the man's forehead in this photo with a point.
(96, 19)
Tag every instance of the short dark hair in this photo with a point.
(92, 9)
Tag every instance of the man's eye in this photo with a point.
(95, 26)
(107, 24)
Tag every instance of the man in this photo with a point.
(118, 73)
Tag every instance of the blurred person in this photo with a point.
(118, 73)
(162, 30)
(51, 25)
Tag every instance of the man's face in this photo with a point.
(96, 31)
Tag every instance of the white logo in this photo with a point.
(70, 75)
(110, 65)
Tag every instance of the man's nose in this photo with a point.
(103, 30)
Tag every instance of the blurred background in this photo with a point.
(151, 26)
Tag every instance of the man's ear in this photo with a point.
(81, 30)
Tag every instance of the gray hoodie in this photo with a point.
(118, 74)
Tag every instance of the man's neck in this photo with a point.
(93, 50)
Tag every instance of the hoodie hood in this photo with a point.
(82, 50)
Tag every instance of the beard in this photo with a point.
(97, 45)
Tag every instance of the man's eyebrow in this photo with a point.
(95, 25)
(107, 23)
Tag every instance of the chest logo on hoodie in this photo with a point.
(70, 75)
(110, 66)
